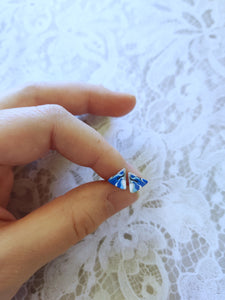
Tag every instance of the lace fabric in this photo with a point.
(170, 244)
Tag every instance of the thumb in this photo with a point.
(29, 243)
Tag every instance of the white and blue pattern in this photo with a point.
(135, 182)
(119, 180)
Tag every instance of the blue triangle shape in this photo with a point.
(119, 180)
(135, 182)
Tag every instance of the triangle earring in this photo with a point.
(119, 180)
(135, 182)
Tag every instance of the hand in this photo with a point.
(33, 121)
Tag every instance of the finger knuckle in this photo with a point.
(52, 111)
(83, 224)
(56, 110)
(32, 92)
(30, 89)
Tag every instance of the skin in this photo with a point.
(32, 121)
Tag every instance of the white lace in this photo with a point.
(171, 54)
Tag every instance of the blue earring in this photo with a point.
(135, 182)
(119, 180)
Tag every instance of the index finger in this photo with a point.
(26, 134)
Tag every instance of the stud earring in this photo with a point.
(135, 182)
(119, 180)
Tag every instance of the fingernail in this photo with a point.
(120, 199)
(132, 169)
(131, 96)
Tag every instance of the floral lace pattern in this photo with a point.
(171, 54)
